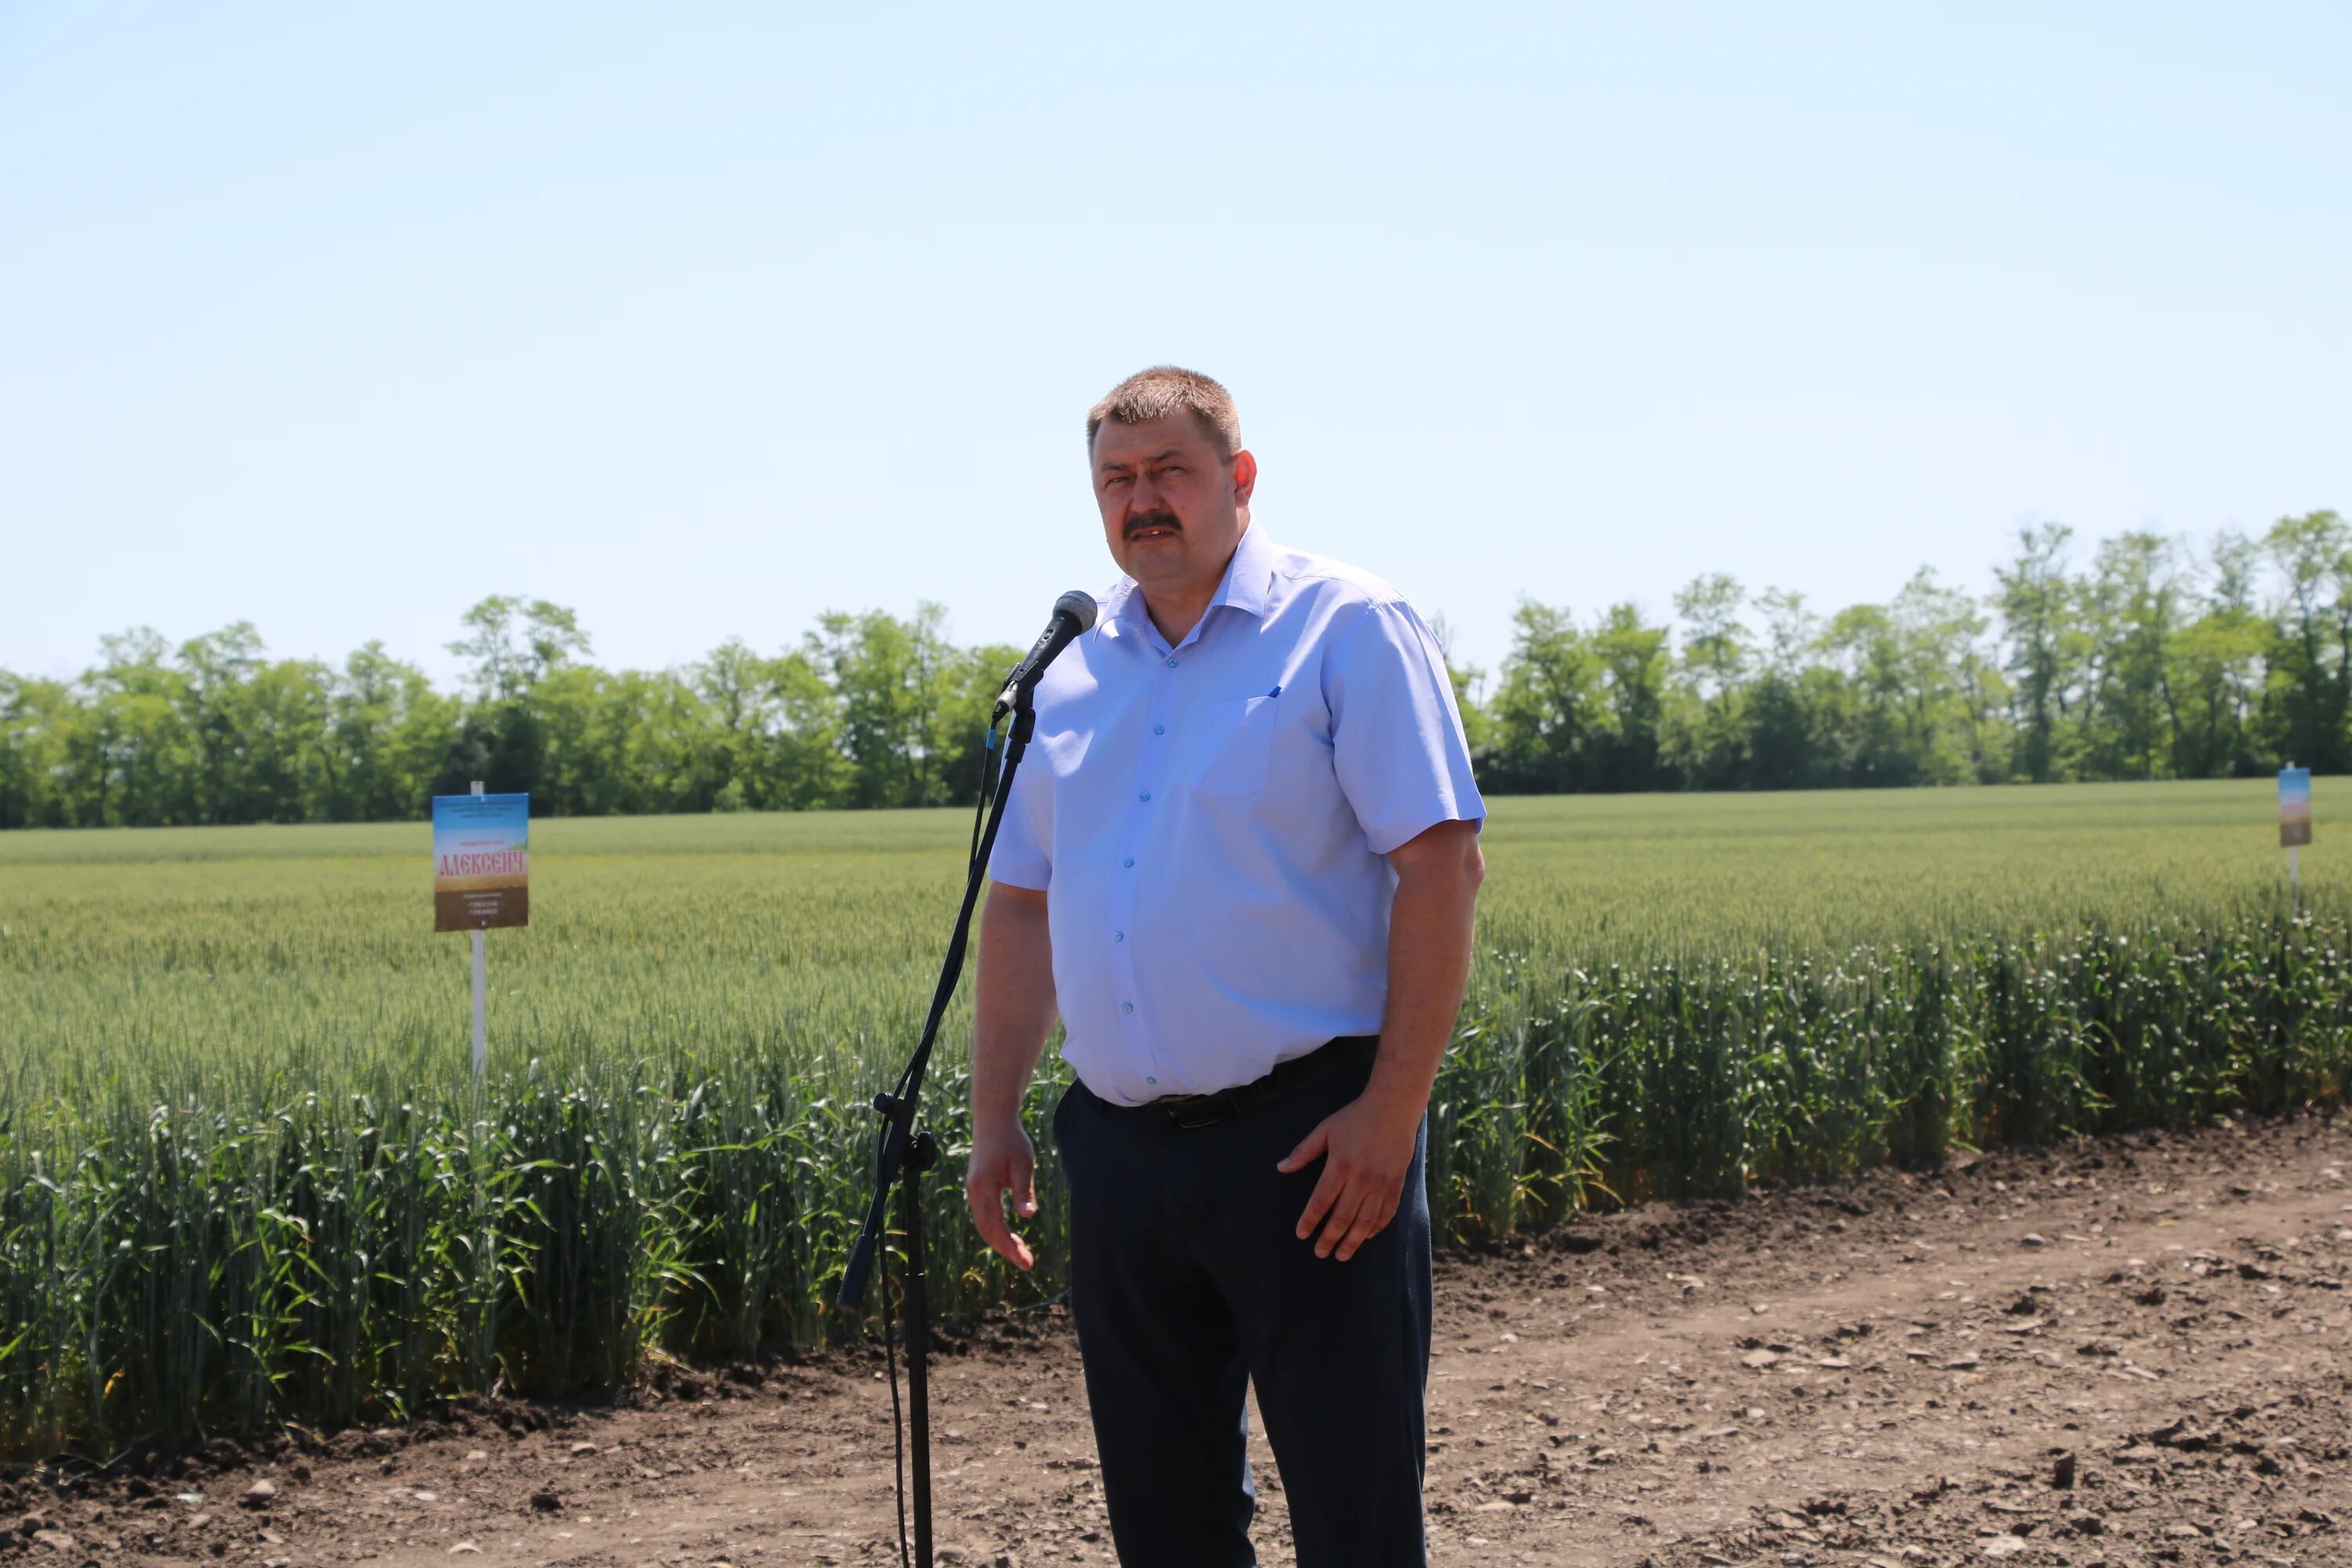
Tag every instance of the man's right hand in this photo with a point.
(1003, 1160)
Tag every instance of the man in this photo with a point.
(1241, 861)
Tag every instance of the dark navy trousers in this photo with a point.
(1189, 1282)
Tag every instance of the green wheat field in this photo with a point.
(244, 1177)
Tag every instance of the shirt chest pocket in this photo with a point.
(1238, 737)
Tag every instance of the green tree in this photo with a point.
(897, 682)
(1954, 685)
(1551, 720)
(133, 756)
(2037, 604)
(781, 727)
(1707, 732)
(213, 694)
(515, 646)
(286, 760)
(1786, 747)
(1636, 658)
(2130, 613)
(501, 738)
(35, 719)
(2313, 652)
(388, 733)
(2216, 668)
(1874, 678)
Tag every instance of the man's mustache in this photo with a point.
(1142, 521)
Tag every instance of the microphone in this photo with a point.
(1073, 612)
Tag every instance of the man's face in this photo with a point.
(1172, 509)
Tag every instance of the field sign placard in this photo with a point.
(2295, 807)
(481, 861)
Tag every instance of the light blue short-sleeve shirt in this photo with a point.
(1208, 821)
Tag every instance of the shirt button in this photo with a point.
(1145, 795)
(1148, 1078)
(1118, 936)
(1126, 1006)
(1159, 729)
(1172, 664)
(1128, 862)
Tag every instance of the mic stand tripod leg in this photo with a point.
(914, 1317)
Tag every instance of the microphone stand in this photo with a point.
(905, 1153)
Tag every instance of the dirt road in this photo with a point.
(2128, 1352)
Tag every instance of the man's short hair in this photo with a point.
(1166, 389)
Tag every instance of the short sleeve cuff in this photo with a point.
(1018, 870)
(1398, 832)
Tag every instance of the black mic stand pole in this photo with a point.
(905, 1153)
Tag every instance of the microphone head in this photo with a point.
(1079, 605)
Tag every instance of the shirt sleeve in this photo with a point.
(1018, 858)
(1396, 735)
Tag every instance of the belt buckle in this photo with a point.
(1202, 1110)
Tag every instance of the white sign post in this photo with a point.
(481, 1007)
(481, 877)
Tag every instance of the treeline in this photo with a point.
(2154, 657)
(868, 711)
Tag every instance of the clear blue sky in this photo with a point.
(335, 319)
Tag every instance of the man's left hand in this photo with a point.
(1366, 1147)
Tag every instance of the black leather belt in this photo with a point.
(1202, 1110)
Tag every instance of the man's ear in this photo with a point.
(1245, 477)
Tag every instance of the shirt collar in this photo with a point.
(1249, 578)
